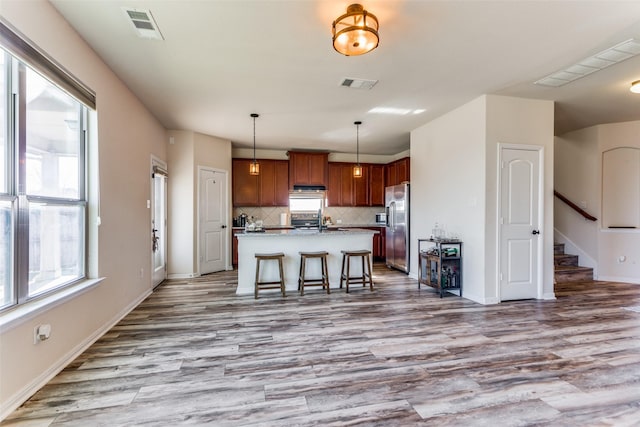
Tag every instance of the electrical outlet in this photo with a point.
(41, 333)
(141, 273)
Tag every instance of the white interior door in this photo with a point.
(213, 232)
(158, 223)
(520, 236)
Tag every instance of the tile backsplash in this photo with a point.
(347, 215)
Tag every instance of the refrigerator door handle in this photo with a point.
(392, 215)
(386, 211)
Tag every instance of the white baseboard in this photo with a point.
(632, 280)
(183, 276)
(7, 407)
(549, 296)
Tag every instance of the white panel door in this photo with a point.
(519, 218)
(213, 234)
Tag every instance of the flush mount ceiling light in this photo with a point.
(355, 32)
(635, 87)
(357, 169)
(254, 167)
(608, 57)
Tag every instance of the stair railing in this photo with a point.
(575, 207)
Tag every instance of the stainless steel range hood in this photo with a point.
(309, 189)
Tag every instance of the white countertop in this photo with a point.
(297, 232)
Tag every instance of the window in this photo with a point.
(43, 205)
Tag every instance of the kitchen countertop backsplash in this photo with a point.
(347, 216)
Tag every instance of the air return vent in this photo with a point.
(597, 62)
(358, 83)
(143, 23)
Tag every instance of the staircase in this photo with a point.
(567, 268)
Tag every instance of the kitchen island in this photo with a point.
(291, 242)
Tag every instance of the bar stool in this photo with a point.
(279, 284)
(323, 281)
(366, 275)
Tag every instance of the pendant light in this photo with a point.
(254, 167)
(357, 169)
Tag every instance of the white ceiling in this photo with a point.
(222, 60)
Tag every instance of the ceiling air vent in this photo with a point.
(358, 83)
(143, 23)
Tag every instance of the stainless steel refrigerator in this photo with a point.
(397, 227)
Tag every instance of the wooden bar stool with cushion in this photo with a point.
(323, 281)
(345, 276)
(279, 256)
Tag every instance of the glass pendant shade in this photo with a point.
(254, 167)
(357, 169)
(355, 32)
(635, 87)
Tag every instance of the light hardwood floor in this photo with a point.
(194, 353)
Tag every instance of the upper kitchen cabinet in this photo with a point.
(270, 188)
(274, 183)
(376, 185)
(344, 189)
(308, 168)
(397, 172)
(244, 186)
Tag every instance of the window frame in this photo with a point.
(15, 68)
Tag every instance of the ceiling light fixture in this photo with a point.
(355, 32)
(608, 57)
(635, 87)
(254, 167)
(357, 169)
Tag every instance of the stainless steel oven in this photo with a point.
(306, 208)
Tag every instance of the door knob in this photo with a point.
(223, 226)
(535, 232)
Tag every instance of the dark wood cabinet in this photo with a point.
(361, 186)
(376, 185)
(344, 189)
(245, 188)
(397, 172)
(379, 243)
(274, 183)
(402, 170)
(307, 168)
(334, 186)
(390, 174)
(270, 188)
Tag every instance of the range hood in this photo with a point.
(309, 188)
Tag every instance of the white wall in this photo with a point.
(448, 187)
(128, 135)
(186, 151)
(454, 182)
(523, 122)
(579, 177)
(181, 190)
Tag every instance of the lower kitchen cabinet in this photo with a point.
(379, 243)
